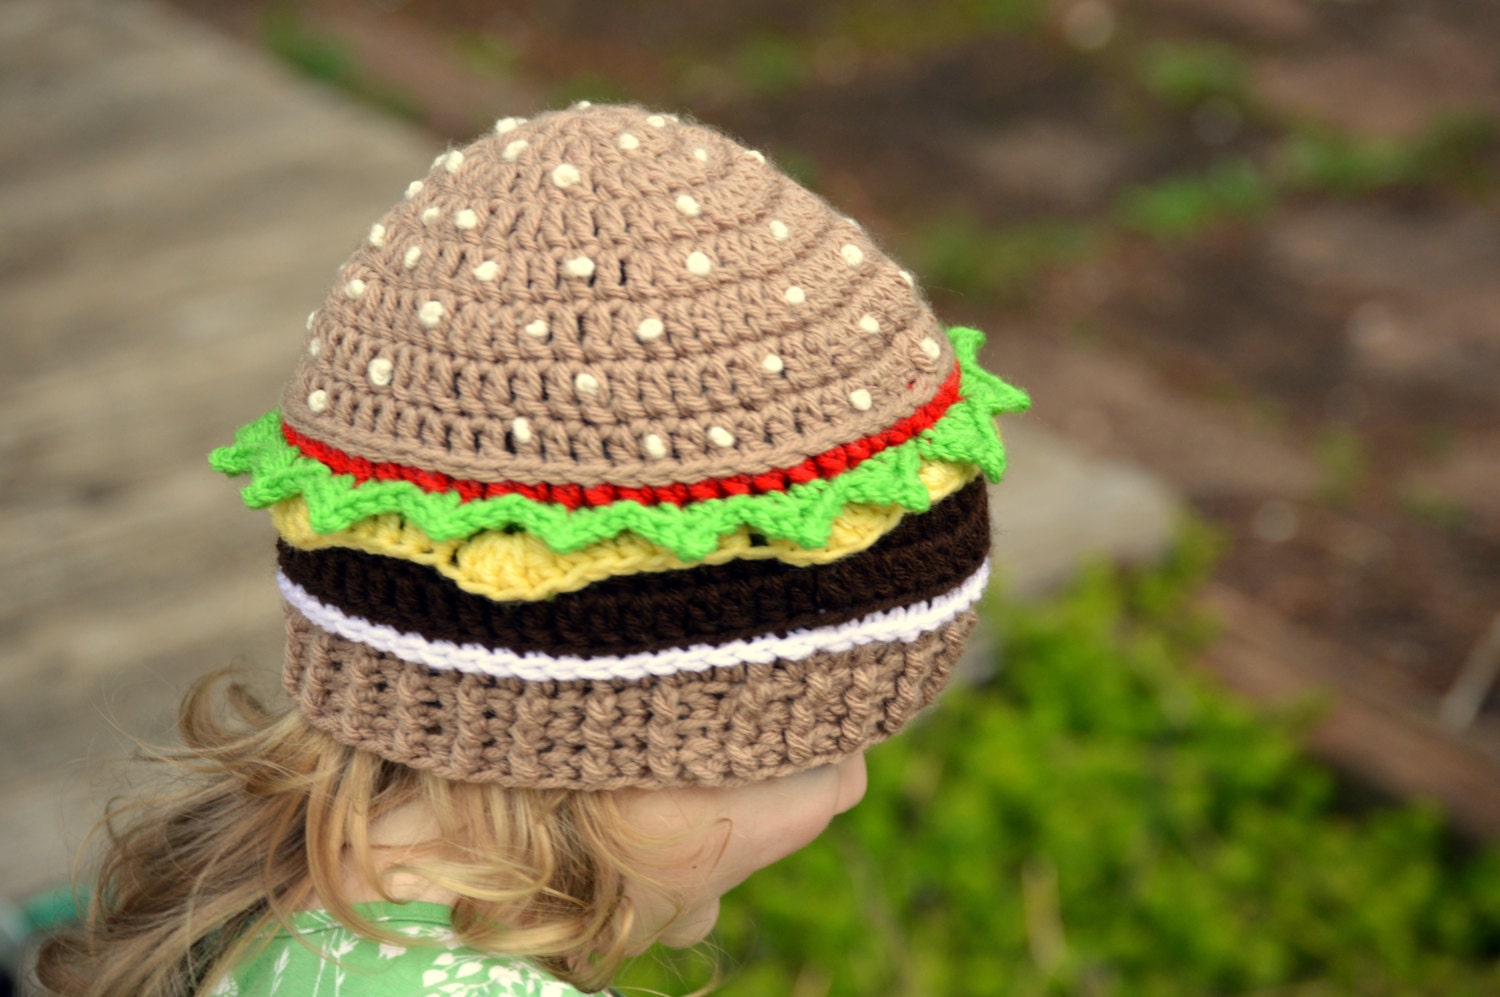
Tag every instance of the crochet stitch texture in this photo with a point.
(614, 457)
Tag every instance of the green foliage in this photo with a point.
(1184, 75)
(1433, 506)
(799, 166)
(770, 65)
(956, 252)
(1452, 150)
(1449, 151)
(1005, 16)
(1183, 207)
(915, 26)
(1343, 164)
(488, 55)
(1344, 462)
(325, 58)
(1099, 819)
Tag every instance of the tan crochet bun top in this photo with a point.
(617, 297)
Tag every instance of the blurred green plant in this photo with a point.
(1433, 506)
(326, 58)
(1450, 151)
(1184, 75)
(914, 26)
(957, 252)
(770, 65)
(1100, 819)
(1004, 16)
(1343, 464)
(799, 166)
(1181, 208)
(488, 55)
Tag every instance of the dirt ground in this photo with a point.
(1318, 377)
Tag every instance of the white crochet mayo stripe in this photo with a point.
(904, 623)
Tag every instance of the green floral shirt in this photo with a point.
(324, 958)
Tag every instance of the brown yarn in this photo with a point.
(589, 385)
(720, 727)
(606, 296)
(923, 557)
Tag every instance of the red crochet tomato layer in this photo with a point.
(828, 464)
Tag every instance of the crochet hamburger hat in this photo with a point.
(616, 458)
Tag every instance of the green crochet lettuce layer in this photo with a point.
(803, 514)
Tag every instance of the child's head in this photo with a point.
(626, 494)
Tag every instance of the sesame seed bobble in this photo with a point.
(380, 371)
(699, 264)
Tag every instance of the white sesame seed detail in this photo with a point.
(649, 329)
(756, 155)
(779, 231)
(430, 314)
(432, 214)
(377, 235)
(700, 154)
(413, 189)
(314, 346)
(656, 121)
(654, 446)
(514, 149)
(520, 431)
(537, 328)
(699, 264)
(869, 323)
(354, 289)
(487, 270)
(628, 142)
(852, 254)
(438, 159)
(413, 254)
(930, 348)
(507, 125)
(466, 219)
(772, 364)
(317, 401)
(453, 161)
(688, 206)
(906, 276)
(583, 105)
(860, 399)
(586, 383)
(795, 295)
(380, 372)
(566, 175)
(579, 266)
(720, 437)
(312, 317)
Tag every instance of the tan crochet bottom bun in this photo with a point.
(719, 727)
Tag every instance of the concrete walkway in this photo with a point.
(171, 206)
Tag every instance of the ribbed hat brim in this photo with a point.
(720, 726)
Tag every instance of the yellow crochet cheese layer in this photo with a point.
(504, 566)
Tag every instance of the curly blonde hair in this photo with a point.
(267, 814)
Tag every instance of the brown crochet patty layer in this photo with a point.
(923, 557)
(722, 726)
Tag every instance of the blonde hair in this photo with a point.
(265, 814)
